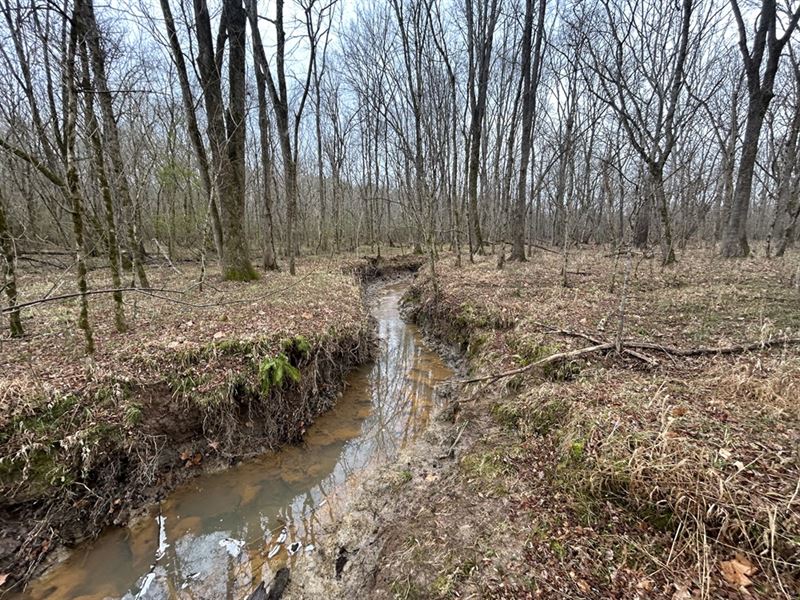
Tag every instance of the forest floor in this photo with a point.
(201, 378)
(637, 475)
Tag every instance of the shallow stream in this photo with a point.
(219, 534)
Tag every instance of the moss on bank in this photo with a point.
(234, 370)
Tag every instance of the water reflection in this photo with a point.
(217, 535)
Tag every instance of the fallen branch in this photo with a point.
(545, 361)
(629, 348)
(745, 347)
(149, 292)
(453, 445)
(544, 248)
(165, 254)
(87, 293)
(577, 334)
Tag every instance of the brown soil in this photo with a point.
(603, 477)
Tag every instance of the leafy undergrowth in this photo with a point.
(200, 376)
(610, 477)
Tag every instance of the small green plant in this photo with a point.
(274, 370)
(133, 414)
(575, 454)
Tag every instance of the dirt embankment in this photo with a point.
(232, 371)
(635, 475)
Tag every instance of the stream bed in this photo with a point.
(220, 533)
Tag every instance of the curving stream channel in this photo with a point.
(220, 533)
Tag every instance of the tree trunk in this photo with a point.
(73, 184)
(734, 240)
(667, 250)
(10, 257)
(531, 61)
(191, 124)
(641, 229)
(98, 56)
(99, 169)
(236, 255)
(226, 132)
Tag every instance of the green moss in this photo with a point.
(507, 414)
(547, 416)
(576, 452)
(299, 345)
(241, 272)
(46, 419)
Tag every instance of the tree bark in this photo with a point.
(226, 132)
(531, 61)
(10, 257)
(99, 169)
(760, 83)
(270, 261)
(72, 181)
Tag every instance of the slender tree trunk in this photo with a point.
(191, 123)
(531, 61)
(98, 56)
(10, 272)
(73, 184)
(99, 169)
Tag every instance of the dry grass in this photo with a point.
(669, 470)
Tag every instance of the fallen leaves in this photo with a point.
(738, 571)
(191, 460)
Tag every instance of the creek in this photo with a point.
(220, 533)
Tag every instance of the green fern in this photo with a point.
(274, 370)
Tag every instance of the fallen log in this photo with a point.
(577, 334)
(631, 348)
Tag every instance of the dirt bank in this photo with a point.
(232, 371)
(600, 476)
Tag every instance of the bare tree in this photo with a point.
(480, 37)
(641, 64)
(9, 272)
(760, 77)
(531, 68)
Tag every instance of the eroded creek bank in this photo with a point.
(218, 534)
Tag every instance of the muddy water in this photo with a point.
(221, 533)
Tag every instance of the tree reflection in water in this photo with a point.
(221, 526)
